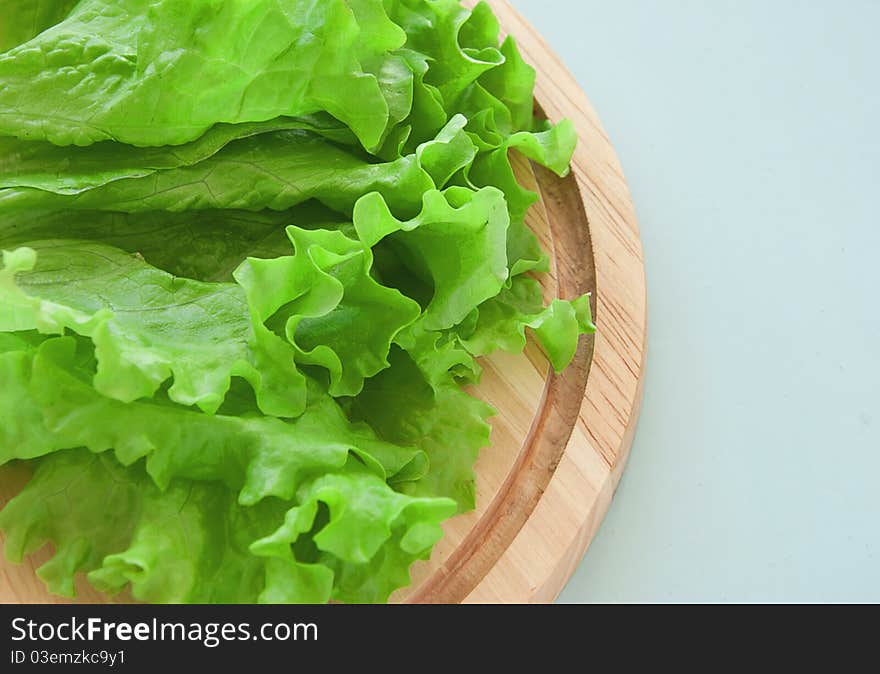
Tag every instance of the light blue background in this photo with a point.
(749, 134)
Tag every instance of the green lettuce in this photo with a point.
(260, 456)
(252, 254)
(25, 19)
(501, 322)
(192, 542)
(123, 70)
(136, 314)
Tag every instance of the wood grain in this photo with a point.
(559, 442)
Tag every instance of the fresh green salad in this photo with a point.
(252, 253)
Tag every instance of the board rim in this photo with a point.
(597, 376)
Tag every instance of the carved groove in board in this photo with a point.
(543, 447)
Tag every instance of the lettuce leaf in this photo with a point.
(445, 422)
(36, 164)
(188, 543)
(202, 245)
(192, 542)
(25, 19)
(259, 456)
(370, 538)
(122, 70)
(501, 323)
(456, 244)
(320, 296)
(274, 170)
(136, 315)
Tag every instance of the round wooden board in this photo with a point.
(559, 442)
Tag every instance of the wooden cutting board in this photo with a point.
(559, 442)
